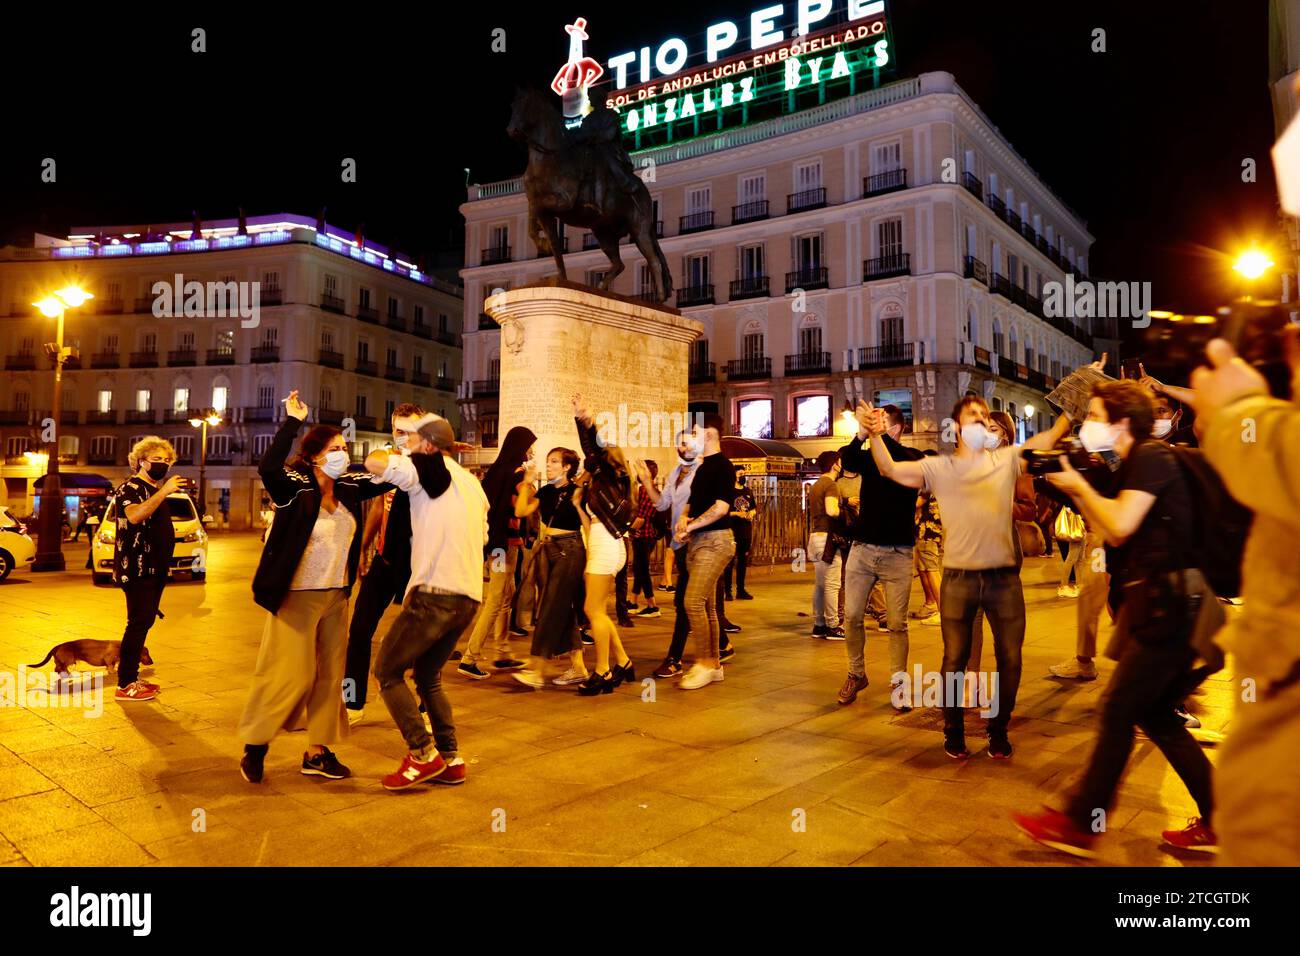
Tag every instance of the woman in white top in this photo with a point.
(304, 578)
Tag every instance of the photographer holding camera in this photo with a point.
(1254, 442)
(1159, 594)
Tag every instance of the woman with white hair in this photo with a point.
(142, 553)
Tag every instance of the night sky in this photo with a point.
(1145, 140)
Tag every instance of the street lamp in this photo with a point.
(202, 423)
(49, 546)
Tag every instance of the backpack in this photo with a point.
(1222, 523)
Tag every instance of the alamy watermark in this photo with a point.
(31, 688)
(208, 300)
(1098, 300)
(628, 429)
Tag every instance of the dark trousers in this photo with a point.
(682, 623)
(377, 591)
(740, 562)
(1148, 683)
(142, 599)
(998, 593)
(641, 581)
(560, 564)
(422, 638)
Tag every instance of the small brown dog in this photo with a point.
(94, 653)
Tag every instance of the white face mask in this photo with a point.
(975, 436)
(1097, 436)
(992, 441)
(336, 462)
(402, 443)
(697, 445)
(1161, 427)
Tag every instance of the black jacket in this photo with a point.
(886, 510)
(297, 505)
(609, 493)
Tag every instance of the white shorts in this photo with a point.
(606, 554)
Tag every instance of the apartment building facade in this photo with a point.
(890, 245)
(354, 328)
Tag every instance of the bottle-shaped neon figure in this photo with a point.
(571, 82)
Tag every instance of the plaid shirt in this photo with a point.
(645, 511)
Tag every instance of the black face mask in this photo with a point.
(158, 470)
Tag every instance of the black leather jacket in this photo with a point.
(609, 493)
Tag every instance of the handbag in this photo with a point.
(1069, 526)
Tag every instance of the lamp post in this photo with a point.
(49, 547)
(202, 423)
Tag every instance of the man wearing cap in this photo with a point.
(389, 529)
(449, 528)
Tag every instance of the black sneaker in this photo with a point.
(731, 628)
(726, 654)
(955, 747)
(587, 638)
(472, 671)
(649, 610)
(819, 630)
(834, 634)
(324, 764)
(509, 664)
(744, 596)
(625, 621)
(667, 587)
(250, 765)
(518, 631)
(999, 747)
(669, 668)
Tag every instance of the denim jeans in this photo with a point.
(1149, 681)
(422, 638)
(707, 555)
(869, 563)
(826, 588)
(998, 593)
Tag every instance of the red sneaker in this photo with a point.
(135, 691)
(412, 773)
(455, 772)
(1053, 828)
(1195, 836)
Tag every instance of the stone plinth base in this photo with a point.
(628, 359)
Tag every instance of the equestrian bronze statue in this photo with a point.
(583, 177)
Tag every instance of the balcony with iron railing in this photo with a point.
(108, 306)
(889, 355)
(332, 303)
(423, 329)
(106, 360)
(983, 359)
(144, 304)
(808, 277)
(885, 267)
(396, 322)
(420, 379)
(750, 287)
(486, 323)
(221, 356)
(101, 458)
(806, 199)
(264, 353)
(1013, 219)
(1000, 285)
(395, 373)
(364, 423)
(69, 416)
(270, 296)
(331, 359)
(97, 417)
(701, 373)
(808, 363)
(72, 363)
(1027, 231)
(15, 416)
(444, 384)
(751, 211)
(257, 413)
(367, 367)
(494, 255)
(144, 360)
(1037, 380)
(141, 416)
(891, 180)
(368, 314)
(695, 295)
(995, 203)
(973, 268)
(330, 416)
(589, 242)
(485, 388)
(748, 369)
(22, 362)
(173, 416)
(180, 357)
(445, 337)
(971, 183)
(695, 222)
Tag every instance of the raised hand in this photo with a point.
(1100, 364)
(295, 407)
(580, 410)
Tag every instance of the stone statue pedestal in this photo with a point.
(628, 359)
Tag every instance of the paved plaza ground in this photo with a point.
(763, 769)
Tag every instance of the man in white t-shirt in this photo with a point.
(975, 488)
(448, 531)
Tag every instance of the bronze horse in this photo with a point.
(583, 177)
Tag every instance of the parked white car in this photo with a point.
(17, 549)
(191, 552)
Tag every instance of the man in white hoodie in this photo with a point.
(448, 531)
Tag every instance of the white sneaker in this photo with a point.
(354, 717)
(1062, 591)
(529, 678)
(428, 724)
(1074, 590)
(569, 677)
(698, 677)
(900, 696)
(934, 620)
(1074, 669)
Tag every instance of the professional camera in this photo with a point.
(1044, 462)
(1176, 343)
